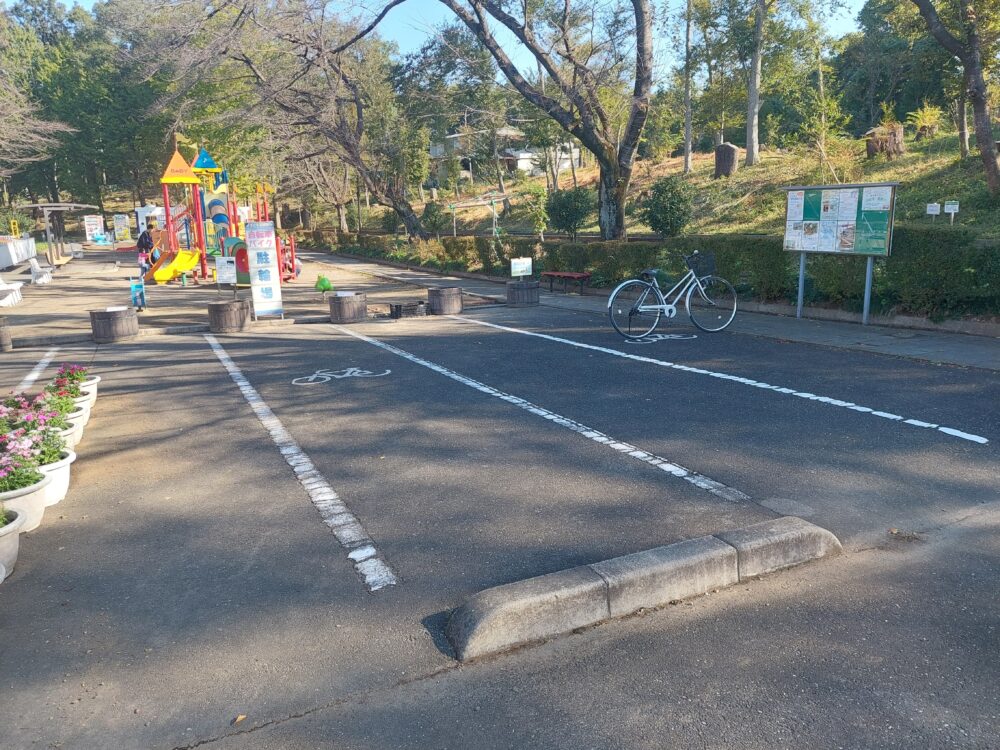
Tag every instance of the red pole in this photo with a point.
(168, 228)
(199, 232)
(291, 243)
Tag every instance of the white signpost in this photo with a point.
(265, 282)
(951, 208)
(225, 270)
(934, 209)
(520, 267)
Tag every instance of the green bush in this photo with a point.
(570, 210)
(936, 271)
(389, 221)
(942, 272)
(24, 221)
(667, 209)
(435, 219)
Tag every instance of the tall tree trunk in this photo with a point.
(963, 121)
(342, 217)
(687, 88)
(983, 124)
(613, 189)
(572, 165)
(970, 51)
(753, 92)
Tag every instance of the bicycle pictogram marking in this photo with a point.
(325, 376)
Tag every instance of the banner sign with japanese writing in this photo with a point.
(845, 219)
(93, 226)
(123, 232)
(265, 282)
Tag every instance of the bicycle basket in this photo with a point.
(703, 264)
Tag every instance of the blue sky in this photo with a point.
(410, 24)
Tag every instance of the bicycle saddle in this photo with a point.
(649, 273)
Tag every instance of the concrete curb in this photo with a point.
(29, 342)
(535, 609)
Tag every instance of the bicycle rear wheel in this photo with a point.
(711, 307)
(623, 309)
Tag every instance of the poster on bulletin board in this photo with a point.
(843, 219)
(265, 281)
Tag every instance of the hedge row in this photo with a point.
(936, 271)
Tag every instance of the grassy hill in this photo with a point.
(752, 202)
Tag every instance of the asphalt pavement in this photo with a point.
(190, 578)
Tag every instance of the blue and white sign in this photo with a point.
(520, 266)
(262, 254)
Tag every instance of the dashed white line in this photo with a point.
(734, 378)
(37, 370)
(674, 469)
(348, 530)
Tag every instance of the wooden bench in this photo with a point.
(567, 277)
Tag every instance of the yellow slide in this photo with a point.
(185, 261)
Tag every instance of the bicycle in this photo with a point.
(636, 305)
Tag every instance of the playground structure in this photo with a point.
(487, 199)
(209, 222)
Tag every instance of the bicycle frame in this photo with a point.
(681, 288)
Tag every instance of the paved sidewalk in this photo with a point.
(941, 348)
(58, 312)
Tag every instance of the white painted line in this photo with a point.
(735, 378)
(37, 370)
(336, 515)
(674, 469)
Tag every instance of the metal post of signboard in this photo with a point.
(802, 284)
(868, 290)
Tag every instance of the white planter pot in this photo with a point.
(84, 402)
(89, 386)
(9, 534)
(29, 501)
(72, 435)
(78, 417)
(59, 471)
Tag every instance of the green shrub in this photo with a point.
(460, 250)
(667, 209)
(570, 210)
(942, 272)
(389, 221)
(435, 219)
(936, 271)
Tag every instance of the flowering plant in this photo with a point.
(62, 404)
(46, 445)
(16, 412)
(17, 470)
(73, 373)
(63, 386)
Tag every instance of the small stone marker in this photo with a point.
(727, 160)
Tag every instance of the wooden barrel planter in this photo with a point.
(114, 324)
(522, 293)
(230, 316)
(446, 300)
(6, 341)
(349, 307)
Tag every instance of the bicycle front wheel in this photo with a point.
(712, 304)
(623, 309)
